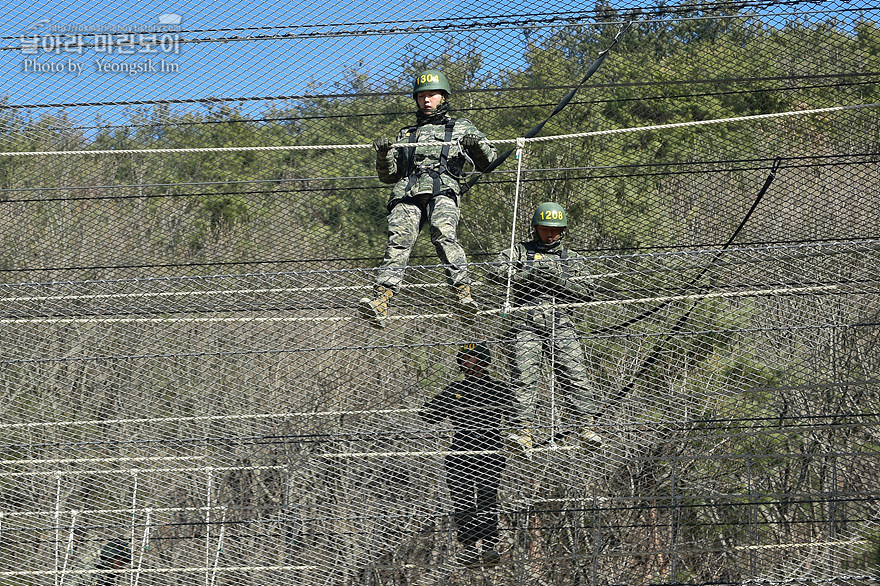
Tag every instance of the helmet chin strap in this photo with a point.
(440, 112)
(544, 246)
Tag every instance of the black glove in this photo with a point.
(548, 273)
(382, 145)
(469, 142)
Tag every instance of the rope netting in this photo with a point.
(192, 214)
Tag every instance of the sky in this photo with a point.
(59, 71)
(43, 62)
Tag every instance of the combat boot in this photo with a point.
(375, 309)
(520, 441)
(466, 303)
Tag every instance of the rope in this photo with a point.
(197, 569)
(797, 545)
(145, 544)
(165, 294)
(760, 196)
(594, 66)
(191, 569)
(430, 453)
(133, 517)
(657, 127)
(69, 550)
(419, 316)
(219, 549)
(147, 510)
(519, 159)
(65, 473)
(101, 460)
(692, 123)
(210, 489)
(868, 244)
(191, 418)
(57, 520)
(303, 567)
(679, 324)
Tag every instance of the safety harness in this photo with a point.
(531, 249)
(436, 170)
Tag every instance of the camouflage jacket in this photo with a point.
(542, 276)
(420, 170)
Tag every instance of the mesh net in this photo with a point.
(192, 215)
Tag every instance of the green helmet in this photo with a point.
(430, 79)
(115, 553)
(550, 214)
(478, 349)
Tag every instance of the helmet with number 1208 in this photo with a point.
(550, 214)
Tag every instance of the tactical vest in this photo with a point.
(435, 170)
(531, 294)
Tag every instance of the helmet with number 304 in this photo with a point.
(550, 214)
(430, 79)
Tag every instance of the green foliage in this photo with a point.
(733, 65)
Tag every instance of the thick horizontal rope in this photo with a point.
(6, 515)
(62, 473)
(429, 453)
(194, 293)
(232, 149)
(100, 460)
(212, 418)
(762, 581)
(550, 448)
(603, 303)
(675, 125)
(161, 571)
(196, 418)
(509, 505)
(141, 571)
(799, 545)
(811, 581)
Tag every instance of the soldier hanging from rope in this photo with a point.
(427, 178)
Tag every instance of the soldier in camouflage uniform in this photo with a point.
(543, 273)
(427, 176)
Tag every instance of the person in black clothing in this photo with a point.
(477, 407)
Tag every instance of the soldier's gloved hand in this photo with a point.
(469, 142)
(382, 145)
(526, 273)
(548, 273)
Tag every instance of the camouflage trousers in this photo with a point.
(565, 359)
(404, 224)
